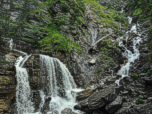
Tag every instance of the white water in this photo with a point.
(62, 81)
(131, 56)
(11, 44)
(130, 19)
(23, 92)
(94, 33)
(60, 78)
(42, 95)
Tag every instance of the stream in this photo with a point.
(60, 79)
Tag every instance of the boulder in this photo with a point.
(67, 111)
(84, 94)
(115, 105)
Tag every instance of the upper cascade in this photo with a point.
(124, 71)
(11, 44)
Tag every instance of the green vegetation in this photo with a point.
(142, 9)
(105, 17)
(135, 76)
(139, 101)
(107, 50)
(50, 32)
(99, 69)
(148, 93)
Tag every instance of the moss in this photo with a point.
(105, 17)
(137, 12)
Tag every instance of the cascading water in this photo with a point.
(42, 95)
(59, 78)
(131, 56)
(11, 44)
(130, 19)
(23, 92)
(94, 33)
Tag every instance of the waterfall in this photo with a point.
(93, 35)
(42, 95)
(59, 78)
(130, 19)
(23, 92)
(11, 44)
(60, 82)
(124, 71)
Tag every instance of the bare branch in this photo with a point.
(100, 40)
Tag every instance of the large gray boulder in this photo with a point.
(115, 105)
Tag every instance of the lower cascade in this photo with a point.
(23, 92)
(61, 87)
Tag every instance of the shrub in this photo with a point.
(139, 101)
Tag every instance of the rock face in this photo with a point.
(101, 96)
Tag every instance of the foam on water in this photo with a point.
(11, 44)
(130, 19)
(57, 81)
(94, 33)
(23, 91)
(58, 77)
(42, 95)
(131, 56)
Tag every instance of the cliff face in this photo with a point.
(90, 69)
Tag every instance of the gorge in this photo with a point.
(109, 77)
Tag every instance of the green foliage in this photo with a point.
(142, 8)
(148, 93)
(99, 69)
(135, 76)
(139, 101)
(119, 17)
(107, 51)
(110, 6)
(116, 26)
(119, 32)
(76, 8)
(105, 17)
(107, 37)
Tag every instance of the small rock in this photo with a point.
(92, 61)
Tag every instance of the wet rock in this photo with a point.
(92, 61)
(55, 112)
(124, 92)
(100, 98)
(67, 111)
(128, 79)
(111, 80)
(77, 106)
(115, 105)
(84, 94)
(98, 112)
(148, 81)
(143, 96)
(149, 99)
